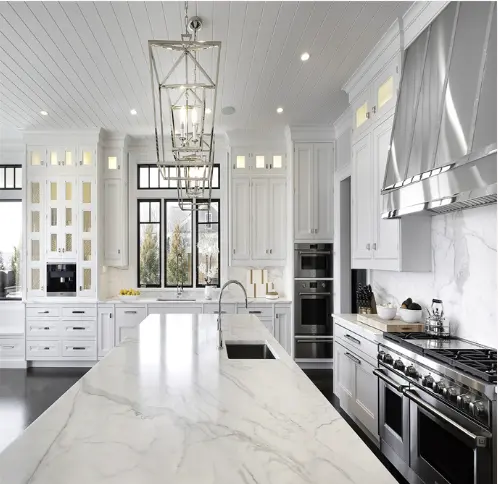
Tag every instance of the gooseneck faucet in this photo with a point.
(220, 333)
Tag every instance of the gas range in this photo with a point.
(457, 372)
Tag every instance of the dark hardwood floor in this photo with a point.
(26, 394)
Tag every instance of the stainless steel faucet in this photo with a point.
(220, 333)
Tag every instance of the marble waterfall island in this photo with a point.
(169, 407)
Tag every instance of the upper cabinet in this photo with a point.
(313, 192)
(247, 161)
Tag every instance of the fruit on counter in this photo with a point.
(415, 307)
(406, 304)
(129, 292)
(409, 304)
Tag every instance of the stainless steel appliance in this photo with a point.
(313, 309)
(61, 280)
(437, 407)
(313, 261)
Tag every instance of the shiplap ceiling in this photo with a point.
(86, 63)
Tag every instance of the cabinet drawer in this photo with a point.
(43, 312)
(79, 312)
(11, 347)
(76, 329)
(44, 328)
(259, 311)
(356, 341)
(43, 349)
(225, 308)
(79, 349)
(130, 315)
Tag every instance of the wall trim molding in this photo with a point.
(310, 133)
(343, 122)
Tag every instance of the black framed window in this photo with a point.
(10, 249)
(208, 246)
(149, 178)
(10, 177)
(149, 243)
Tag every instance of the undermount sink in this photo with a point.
(237, 350)
(177, 299)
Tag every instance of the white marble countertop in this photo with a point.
(350, 321)
(172, 408)
(199, 299)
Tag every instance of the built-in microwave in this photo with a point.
(61, 280)
(313, 261)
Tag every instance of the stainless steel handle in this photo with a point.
(270, 251)
(314, 252)
(42, 312)
(314, 293)
(353, 358)
(59, 250)
(368, 246)
(7, 347)
(367, 115)
(130, 312)
(382, 375)
(254, 312)
(374, 246)
(374, 109)
(76, 348)
(63, 250)
(316, 340)
(79, 328)
(218, 312)
(354, 340)
(78, 312)
(478, 440)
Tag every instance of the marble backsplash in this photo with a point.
(464, 274)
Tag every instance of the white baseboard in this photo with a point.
(22, 364)
(61, 364)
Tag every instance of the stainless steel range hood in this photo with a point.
(443, 146)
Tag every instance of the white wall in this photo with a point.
(464, 274)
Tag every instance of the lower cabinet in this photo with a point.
(282, 330)
(127, 322)
(105, 330)
(356, 387)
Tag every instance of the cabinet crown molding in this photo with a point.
(343, 122)
(70, 137)
(310, 133)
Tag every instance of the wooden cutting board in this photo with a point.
(390, 326)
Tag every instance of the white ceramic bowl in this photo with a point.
(128, 298)
(386, 313)
(410, 315)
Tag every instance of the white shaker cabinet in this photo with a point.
(282, 326)
(105, 330)
(314, 193)
(240, 219)
(128, 318)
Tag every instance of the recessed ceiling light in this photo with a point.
(44, 113)
(208, 111)
(133, 112)
(227, 110)
(305, 56)
(280, 110)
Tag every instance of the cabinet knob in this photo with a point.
(374, 246)
(270, 251)
(374, 109)
(368, 246)
(367, 115)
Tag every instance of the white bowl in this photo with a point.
(128, 298)
(410, 315)
(386, 313)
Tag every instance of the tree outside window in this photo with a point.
(10, 249)
(150, 233)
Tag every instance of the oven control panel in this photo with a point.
(456, 394)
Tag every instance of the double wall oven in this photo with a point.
(313, 301)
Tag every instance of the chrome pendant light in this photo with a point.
(184, 76)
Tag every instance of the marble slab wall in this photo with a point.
(464, 274)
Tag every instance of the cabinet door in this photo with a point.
(269, 325)
(105, 334)
(87, 158)
(113, 163)
(260, 162)
(36, 246)
(303, 191)
(277, 213)
(127, 321)
(366, 396)
(87, 240)
(277, 162)
(54, 206)
(344, 371)
(283, 327)
(323, 188)
(260, 246)
(384, 91)
(113, 236)
(61, 157)
(361, 200)
(362, 108)
(385, 232)
(68, 203)
(240, 219)
(36, 158)
(241, 160)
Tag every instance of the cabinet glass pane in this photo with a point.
(35, 250)
(112, 162)
(35, 158)
(9, 177)
(18, 177)
(87, 192)
(361, 114)
(69, 191)
(69, 242)
(277, 161)
(87, 158)
(240, 161)
(68, 158)
(87, 250)
(35, 192)
(53, 217)
(53, 191)
(87, 279)
(385, 92)
(35, 221)
(260, 161)
(87, 221)
(53, 242)
(35, 279)
(53, 158)
(69, 217)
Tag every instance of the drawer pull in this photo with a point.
(76, 348)
(78, 312)
(218, 312)
(43, 312)
(46, 348)
(8, 347)
(354, 340)
(130, 312)
(353, 358)
(254, 312)
(78, 328)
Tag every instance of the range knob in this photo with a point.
(411, 371)
(427, 381)
(439, 386)
(477, 408)
(463, 401)
(388, 359)
(381, 355)
(451, 393)
(399, 365)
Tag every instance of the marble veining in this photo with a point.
(169, 407)
(463, 276)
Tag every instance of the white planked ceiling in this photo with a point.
(86, 63)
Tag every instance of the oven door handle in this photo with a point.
(382, 375)
(478, 440)
(314, 293)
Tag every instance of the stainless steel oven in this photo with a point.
(313, 261)
(314, 347)
(61, 280)
(447, 447)
(313, 308)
